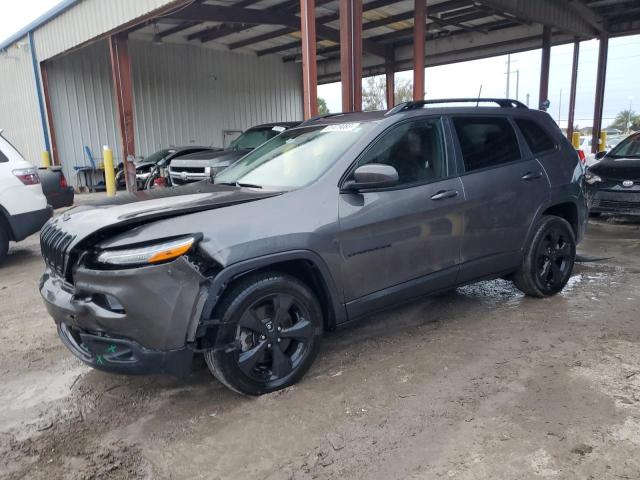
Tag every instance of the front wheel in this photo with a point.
(271, 326)
(548, 261)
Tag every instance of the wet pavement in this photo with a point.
(481, 382)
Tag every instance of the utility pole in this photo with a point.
(518, 84)
(508, 74)
(629, 115)
(528, 95)
(560, 107)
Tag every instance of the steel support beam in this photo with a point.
(588, 14)
(55, 160)
(309, 64)
(390, 80)
(572, 92)
(351, 54)
(545, 65)
(551, 13)
(121, 72)
(603, 52)
(419, 39)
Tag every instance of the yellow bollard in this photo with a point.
(602, 144)
(575, 140)
(109, 171)
(45, 159)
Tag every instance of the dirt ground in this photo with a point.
(478, 383)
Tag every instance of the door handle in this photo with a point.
(444, 194)
(532, 175)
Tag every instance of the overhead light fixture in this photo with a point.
(157, 38)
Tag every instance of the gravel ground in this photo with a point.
(477, 383)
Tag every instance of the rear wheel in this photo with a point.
(270, 334)
(4, 242)
(548, 261)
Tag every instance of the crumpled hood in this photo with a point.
(147, 206)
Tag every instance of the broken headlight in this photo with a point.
(147, 255)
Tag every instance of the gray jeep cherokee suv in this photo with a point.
(327, 222)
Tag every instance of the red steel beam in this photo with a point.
(572, 93)
(390, 77)
(55, 160)
(309, 64)
(419, 38)
(545, 65)
(351, 54)
(603, 52)
(121, 71)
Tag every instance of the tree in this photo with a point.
(322, 106)
(374, 96)
(621, 121)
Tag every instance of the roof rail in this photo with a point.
(501, 102)
(318, 117)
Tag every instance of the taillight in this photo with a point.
(63, 181)
(28, 176)
(160, 182)
(582, 156)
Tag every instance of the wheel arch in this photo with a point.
(4, 223)
(567, 210)
(304, 265)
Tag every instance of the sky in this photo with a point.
(622, 87)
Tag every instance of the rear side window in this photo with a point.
(536, 137)
(3, 157)
(486, 141)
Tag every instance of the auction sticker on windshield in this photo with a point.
(341, 127)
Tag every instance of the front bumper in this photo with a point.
(120, 355)
(155, 310)
(619, 201)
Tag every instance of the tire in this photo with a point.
(4, 242)
(548, 260)
(270, 333)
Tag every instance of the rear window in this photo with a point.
(536, 137)
(486, 141)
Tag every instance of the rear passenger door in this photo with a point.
(504, 189)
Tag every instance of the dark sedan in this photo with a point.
(614, 182)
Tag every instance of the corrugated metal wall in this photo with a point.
(189, 95)
(87, 20)
(81, 92)
(19, 116)
(182, 95)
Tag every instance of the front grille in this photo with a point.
(187, 169)
(54, 243)
(618, 205)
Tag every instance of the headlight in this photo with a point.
(160, 252)
(590, 178)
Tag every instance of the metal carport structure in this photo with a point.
(324, 40)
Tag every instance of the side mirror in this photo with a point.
(601, 154)
(373, 175)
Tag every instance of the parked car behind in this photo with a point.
(614, 181)
(325, 223)
(55, 188)
(23, 206)
(161, 158)
(199, 166)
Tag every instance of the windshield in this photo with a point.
(254, 138)
(157, 156)
(294, 158)
(628, 148)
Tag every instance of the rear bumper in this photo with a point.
(148, 313)
(26, 224)
(617, 202)
(123, 356)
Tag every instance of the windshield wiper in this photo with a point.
(238, 184)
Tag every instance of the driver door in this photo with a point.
(405, 240)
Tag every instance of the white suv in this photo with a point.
(23, 207)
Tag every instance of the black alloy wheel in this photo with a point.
(269, 336)
(549, 258)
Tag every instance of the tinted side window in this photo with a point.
(415, 149)
(3, 157)
(486, 141)
(536, 137)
